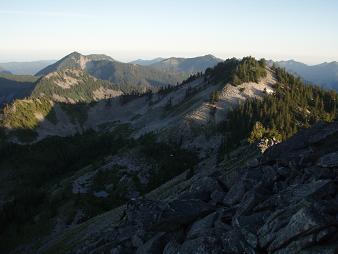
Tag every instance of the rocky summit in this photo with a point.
(284, 202)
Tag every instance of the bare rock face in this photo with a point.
(285, 203)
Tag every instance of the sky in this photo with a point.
(304, 30)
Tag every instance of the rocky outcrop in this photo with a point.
(285, 203)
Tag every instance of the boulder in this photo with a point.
(182, 212)
(329, 160)
(153, 246)
(202, 225)
(301, 231)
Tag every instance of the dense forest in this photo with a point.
(294, 105)
(236, 71)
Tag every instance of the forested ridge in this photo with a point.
(293, 105)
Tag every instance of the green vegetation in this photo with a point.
(294, 105)
(236, 71)
(249, 70)
(259, 131)
(71, 85)
(25, 114)
(41, 173)
(35, 168)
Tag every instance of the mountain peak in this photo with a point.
(210, 56)
(74, 60)
(74, 54)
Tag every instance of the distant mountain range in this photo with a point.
(4, 71)
(83, 78)
(25, 68)
(324, 74)
(123, 74)
(186, 65)
(147, 62)
(15, 87)
(109, 77)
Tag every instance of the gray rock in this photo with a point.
(136, 241)
(201, 225)
(217, 196)
(202, 245)
(329, 160)
(172, 247)
(205, 184)
(283, 171)
(234, 242)
(322, 249)
(249, 201)
(143, 213)
(126, 232)
(235, 194)
(182, 212)
(276, 221)
(306, 222)
(154, 246)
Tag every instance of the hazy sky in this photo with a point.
(305, 30)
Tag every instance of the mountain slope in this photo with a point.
(203, 102)
(15, 87)
(187, 106)
(74, 86)
(271, 206)
(186, 65)
(129, 76)
(26, 68)
(325, 74)
(74, 61)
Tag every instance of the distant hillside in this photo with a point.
(325, 74)
(127, 76)
(73, 86)
(147, 62)
(186, 65)
(4, 71)
(26, 68)
(15, 87)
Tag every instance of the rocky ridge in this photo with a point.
(283, 202)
